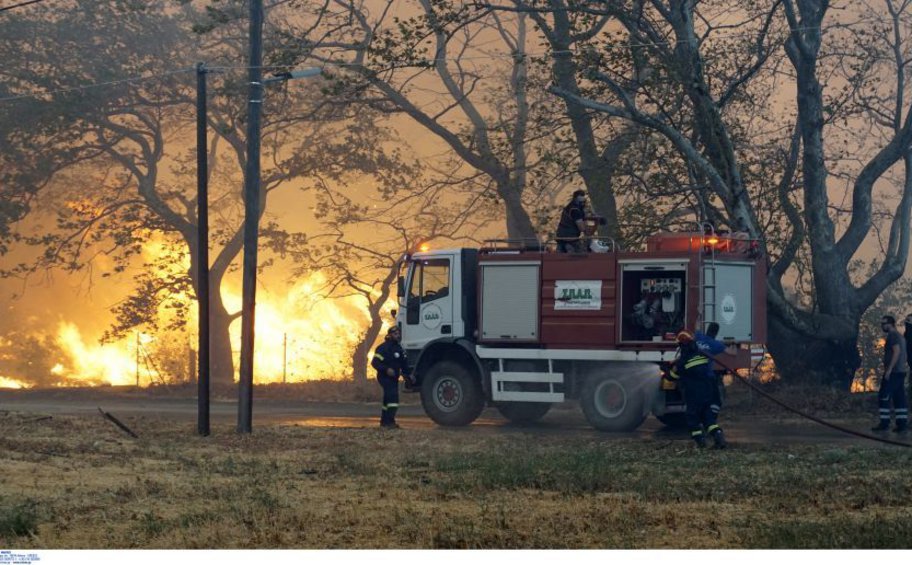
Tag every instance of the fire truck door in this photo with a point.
(429, 302)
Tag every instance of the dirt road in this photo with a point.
(564, 419)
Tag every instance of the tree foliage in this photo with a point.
(113, 124)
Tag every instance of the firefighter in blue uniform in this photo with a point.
(710, 346)
(390, 362)
(695, 369)
(707, 342)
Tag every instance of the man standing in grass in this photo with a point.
(390, 362)
(892, 385)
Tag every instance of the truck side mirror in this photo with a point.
(400, 287)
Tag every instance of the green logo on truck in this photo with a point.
(576, 294)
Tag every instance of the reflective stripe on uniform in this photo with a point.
(378, 356)
(673, 375)
(714, 408)
(696, 361)
(713, 428)
(696, 433)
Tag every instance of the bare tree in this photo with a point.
(442, 67)
(818, 343)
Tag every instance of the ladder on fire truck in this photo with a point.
(707, 310)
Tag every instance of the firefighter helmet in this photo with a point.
(684, 337)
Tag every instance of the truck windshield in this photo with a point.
(430, 280)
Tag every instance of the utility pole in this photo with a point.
(137, 359)
(202, 235)
(252, 208)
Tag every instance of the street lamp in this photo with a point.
(291, 75)
(252, 208)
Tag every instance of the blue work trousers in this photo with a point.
(700, 395)
(893, 388)
(390, 399)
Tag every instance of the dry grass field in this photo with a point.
(79, 482)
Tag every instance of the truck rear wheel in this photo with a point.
(612, 404)
(450, 395)
(523, 412)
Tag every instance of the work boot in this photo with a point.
(700, 441)
(719, 440)
(881, 427)
(389, 425)
(901, 428)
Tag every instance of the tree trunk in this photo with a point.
(596, 169)
(519, 224)
(221, 358)
(805, 358)
(359, 357)
(374, 307)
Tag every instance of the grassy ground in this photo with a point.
(78, 482)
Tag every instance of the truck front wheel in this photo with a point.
(612, 404)
(450, 395)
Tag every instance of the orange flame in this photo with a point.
(299, 335)
(10, 383)
(92, 363)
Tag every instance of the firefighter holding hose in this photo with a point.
(694, 368)
(572, 225)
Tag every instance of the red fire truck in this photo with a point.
(524, 328)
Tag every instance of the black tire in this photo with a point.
(523, 412)
(675, 420)
(611, 404)
(451, 395)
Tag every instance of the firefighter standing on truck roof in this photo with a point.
(390, 362)
(695, 369)
(572, 225)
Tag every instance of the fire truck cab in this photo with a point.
(524, 328)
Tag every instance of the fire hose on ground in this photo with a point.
(803, 414)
